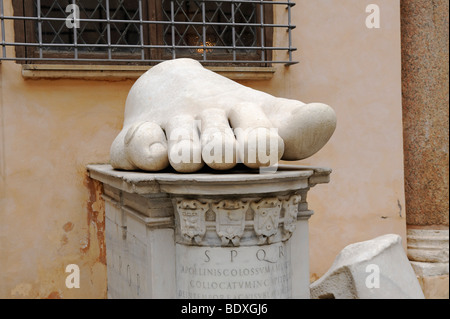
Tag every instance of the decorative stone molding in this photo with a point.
(428, 253)
(230, 220)
(290, 208)
(192, 219)
(266, 220)
(428, 245)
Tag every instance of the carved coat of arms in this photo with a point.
(230, 220)
(267, 218)
(290, 207)
(192, 219)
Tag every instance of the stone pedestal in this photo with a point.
(237, 234)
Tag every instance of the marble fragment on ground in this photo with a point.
(373, 269)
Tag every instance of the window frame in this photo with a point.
(268, 36)
(28, 35)
(26, 51)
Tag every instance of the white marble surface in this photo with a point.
(182, 115)
(251, 272)
(161, 225)
(231, 182)
(372, 269)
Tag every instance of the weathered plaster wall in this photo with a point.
(51, 216)
(425, 41)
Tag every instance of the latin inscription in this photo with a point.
(233, 273)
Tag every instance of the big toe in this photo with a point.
(306, 129)
(146, 146)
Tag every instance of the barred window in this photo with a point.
(230, 32)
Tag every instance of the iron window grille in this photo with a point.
(228, 32)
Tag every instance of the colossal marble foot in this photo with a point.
(183, 115)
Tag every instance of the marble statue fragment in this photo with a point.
(181, 114)
(372, 269)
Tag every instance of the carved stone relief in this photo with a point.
(267, 216)
(230, 220)
(192, 219)
(290, 208)
(270, 219)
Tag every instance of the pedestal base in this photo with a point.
(428, 253)
(207, 235)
